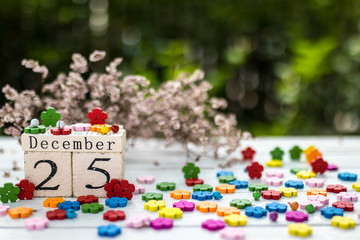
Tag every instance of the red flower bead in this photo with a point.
(87, 199)
(346, 206)
(58, 214)
(271, 194)
(336, 188)
(116, 188)
(319, 165)
(97, 116)
(254, 170)
(248, 154)
(26, 190)
(193, 181)
(113, 215)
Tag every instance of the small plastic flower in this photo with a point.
(185, 206)
(254, 170)
(274, 163)
(274, 173)
(236, 220)
(277, 153)
(92, 208)
(53, 202)
(273, 181)
(139, 189)
(300, 229)
(319, 165)
(119, 188)
(206, 206)
(115, 202)
(347, 197)
(248, 154)
(356, 186)
(273, 216)
(20, 212)
(225, 211)
(152, 196)
(315, 191)
(35, 130)
(26, 190)
(113, 216)
(345, 176)
(97, 116)
(4, 209)
(346, 206)
(190, 170)
(225, 188)
(332, 167)
(161, 223)
(288, 192)
(138, 221)
(202, 187)
(329, 212)
(295, 153)
(58, 214)
(109, 230)
(202, 196)
(9, 193)
(240, 203)
(224, 173)
(256, 212)
(87, 199)
(213, 225)
(314, 182)
(217, 195)
(80, 127)
(317, 205)
(180, 194)
(232, 234)
(50, 117)
(226, 179)
(320, 198)
(75, 205)
(239, 184)
(343, 222)
(296, 216)
(193, 181)
(36, 223)
(295, 170)
(165, 186)
(148, 179)
(154, 205)
(305, 174)
(173, 213)
(271, 194)
(336, 188)
(276, 207)
(258, 187)
(311, 153)
(294, 184)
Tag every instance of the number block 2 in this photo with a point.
(50, 172)
(92, 170)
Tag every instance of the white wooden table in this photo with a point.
(345, 152)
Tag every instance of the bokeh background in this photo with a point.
(285, 67)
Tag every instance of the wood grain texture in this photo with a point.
(140, 161)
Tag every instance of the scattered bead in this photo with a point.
(248, 154)
(53, 202)
(70, 213)
(116, 202)
(329, 212)
(258, 187)
(35, 130)
(202, 196)
(9, 193)
(296, 216)
(316, 204)
(225, 188)
(161, 223)
(87, 199)
(75, 205)
(26, 189)
(319, 165)
(256, 195)
(4, 209)
(295, 153)
(347, 197)
(58, 131)
(296, 170)
(288, 192)
(165, 186)
(294, 184)
(20, 212)
(225, 211)
(152, 196)
(314, 182)
(294, 205)
(346, 206)
(332, 167)
(174, 213)
(236, 220)
(202, 187)
(305, 174)
(97, 116)
(80, 127)
(277, 153)
(254, 170)
(37, 223)
(311, 153)
(274, 163)
(356, 186)
(154, 205)
(213, 225)
(50, 117)
(145, 179)
(113, 216)
(300, 229)
(138, 221)
(336, 188)
(185, 206)
(217, 195)
(276, 207)
(256, 212)
(271, 194)
(224, 173)
(109, 230)
(92, 208)
(226, 179)
(232, 234)
(139, 189)
(57, 214)
(320, 198)
(315, 191)
(206, 206)
(274, 173)
(240, 203)
(345, 176)
(273, 216)
(190, 170)
(119, 188)
(193, 181)
(343, 222)
(239, 184)
(273, 181)
(310, 208)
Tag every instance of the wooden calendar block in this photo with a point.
(50, 172)
(92, 170)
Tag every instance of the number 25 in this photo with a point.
(92, 168)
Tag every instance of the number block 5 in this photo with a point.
(50, 172)
(92, 170)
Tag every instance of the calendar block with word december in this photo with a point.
(76, 164)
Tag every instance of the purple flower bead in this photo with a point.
(213, 225)
(273, 216)
(161, 223)
(296, 216)
(332, 167)
(185, 205)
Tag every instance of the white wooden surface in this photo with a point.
(140, 160)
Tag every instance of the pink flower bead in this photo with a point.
(4, 209)
(347, 197)
(138, 221)
(145, 179)
(232, 233)
(317, 205)
(81, 127)
(320, 198)
(274, 173)
(139, 189)
(273, 181)
(37, 223)
(314, 182)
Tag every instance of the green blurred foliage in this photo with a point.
(286, 67)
